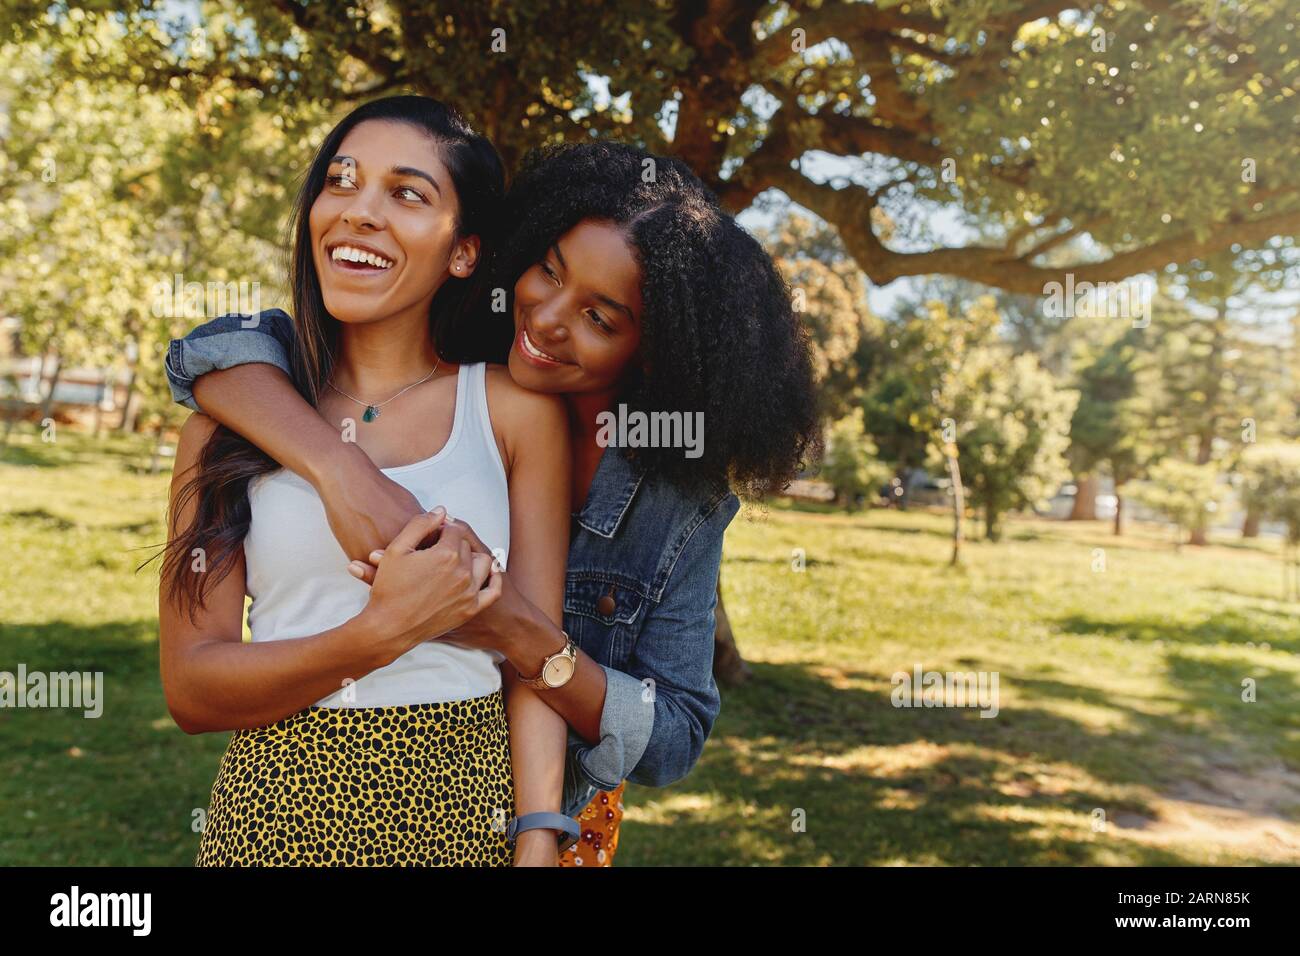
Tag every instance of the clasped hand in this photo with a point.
(367, 510)
(429, 580)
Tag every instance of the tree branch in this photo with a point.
(849, 210)
(312, 21)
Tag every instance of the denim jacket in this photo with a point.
(639, 594)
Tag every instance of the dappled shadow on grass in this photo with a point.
(31, 456)
(1214, 692)
(70, 448)
(945, 786)
(1235, 626)
(120, 789)
(1264, 546)
(41, 516)
(122, 647)
(941, 785)
(1265, 602)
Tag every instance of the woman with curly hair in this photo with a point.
(625, 289)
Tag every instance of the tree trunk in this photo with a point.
(1085, 499)
(11, 417)
(729, 668)
(13, 407)
(958, 503)
(100, 394)
(1119, 513)
(126, 403)
(1205, 445)
(1204, 448)
(1250, 527)
(48, 405)
(991, 529)
(1197, 536)
(155, 460)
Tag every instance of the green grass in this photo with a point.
(1120, 692)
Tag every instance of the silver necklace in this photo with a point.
(372, 411)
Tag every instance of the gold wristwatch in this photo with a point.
(557, 670)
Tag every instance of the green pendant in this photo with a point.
(371, 414)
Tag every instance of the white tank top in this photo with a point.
(297, 573)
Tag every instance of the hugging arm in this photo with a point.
(238, 367)
(648, 722)
(659, 711)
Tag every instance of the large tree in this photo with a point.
(1100, 140)
(1119, 136)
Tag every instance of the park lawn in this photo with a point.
(1122, 736)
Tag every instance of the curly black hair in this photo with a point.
(719, 334)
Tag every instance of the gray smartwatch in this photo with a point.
(567, 827)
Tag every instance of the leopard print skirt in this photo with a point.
(421, 785)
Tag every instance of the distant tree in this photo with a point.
(1221, 379)
(1012, 422)
(1112, 421)
(107, 211)
(1270, 485)
(1187, 494)
(830, 296)
(851, 465)
(911, 408)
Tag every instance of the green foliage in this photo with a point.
(1132, 119)
(1012, 421)
(906, 404)
(1125, 122)
(1185, 493)
(112, 191)
(1113, 423)
(1220, 381)
(1271, 483)
(851, 464)
(949, 383)
(830, 297)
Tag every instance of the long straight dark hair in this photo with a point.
(228, 462)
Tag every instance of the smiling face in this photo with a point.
(578, 313)
(384, 227)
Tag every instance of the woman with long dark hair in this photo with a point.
(360, 737)
(624, 288)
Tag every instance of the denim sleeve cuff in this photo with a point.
(625, 726)
(189, 358)
(182, 385)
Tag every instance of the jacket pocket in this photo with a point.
(609, 600)
(608, 613)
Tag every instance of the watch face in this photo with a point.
(557, 671)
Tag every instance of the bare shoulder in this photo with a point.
(196, 431)
(528, 425)
(515, 406)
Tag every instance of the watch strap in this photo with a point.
(566, 826)
(569, 650)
